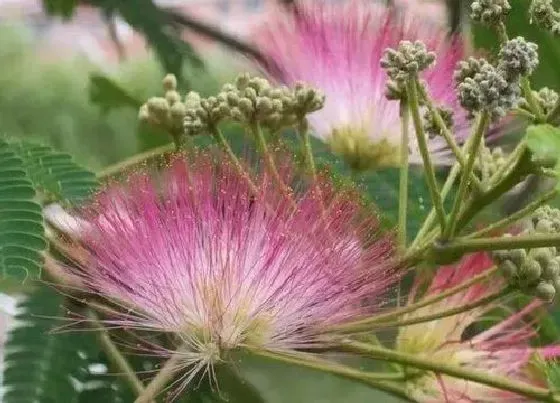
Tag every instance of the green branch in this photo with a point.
(437, 367)
(465, 245)
(480, 129)
(412, 97)
(403, 175)
(351, 328)
(380, 381)
(429, 300)
(518, 215)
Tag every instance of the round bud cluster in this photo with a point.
(202, 112)
(485, 87)
(489, 162)
(489, 12)
(394, 90)
(518, 58)
(467, 69)
(165, 112)
(546, 220)
(407, 61)
(430, 124)
(544, 14)
(253, 99)
(547, 99)
(534, 271)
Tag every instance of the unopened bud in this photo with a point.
(169, 82)
(545, 291)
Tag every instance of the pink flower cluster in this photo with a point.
(193, 252)
(502, 349)
(337, 48)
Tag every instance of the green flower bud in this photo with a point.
(246, 106)
(545, 291)
(530, 271)
(542, 255)
(178, 110)
(508, 269)
(236, 114)
(242, 81)
(544, 226)
(551, 270)
(144, 113)
(518, 256)
(172, 97)
(251, 94)
(264, 106)
(169, 82)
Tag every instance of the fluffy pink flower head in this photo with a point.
(337, 48)
(503, 349)
(194, 253)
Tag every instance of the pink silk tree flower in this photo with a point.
(194, 253)
(338, 48)
(503, 349)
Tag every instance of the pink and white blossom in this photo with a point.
(337, 48)
(502, 349)
(194, 253)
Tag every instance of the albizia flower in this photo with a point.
(194, 253)
(337, 48)
(503, 349)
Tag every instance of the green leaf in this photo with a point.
(158, 29)
(382, 188)
(54, 174)
(21, 222)
(544, 142)
(63, 8)
(107, 94)
(42, 365)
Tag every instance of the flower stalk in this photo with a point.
(380, 381)
(482, 125)
(427, 301)
(403, 174)
(351, 328)
(413, 104)
(437, 367)
(465, 245)
(160, 381)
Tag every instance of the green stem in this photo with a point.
(412, 97)
(554, 114)
(133, 161)
(375, 380)
(506, 183)
(115, 356)
(533, 104)
(430, 219)
(160, 381)
(502, 32)
(426, 301)
(464, 245)
(524, 113)
(269, 161)
(457, 152)
(403, 175)
(351, 328)
(483, 122)
(437, 367)
(518, 215)
(309, 159)
(222, 141)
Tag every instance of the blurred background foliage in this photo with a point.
(90, 112)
